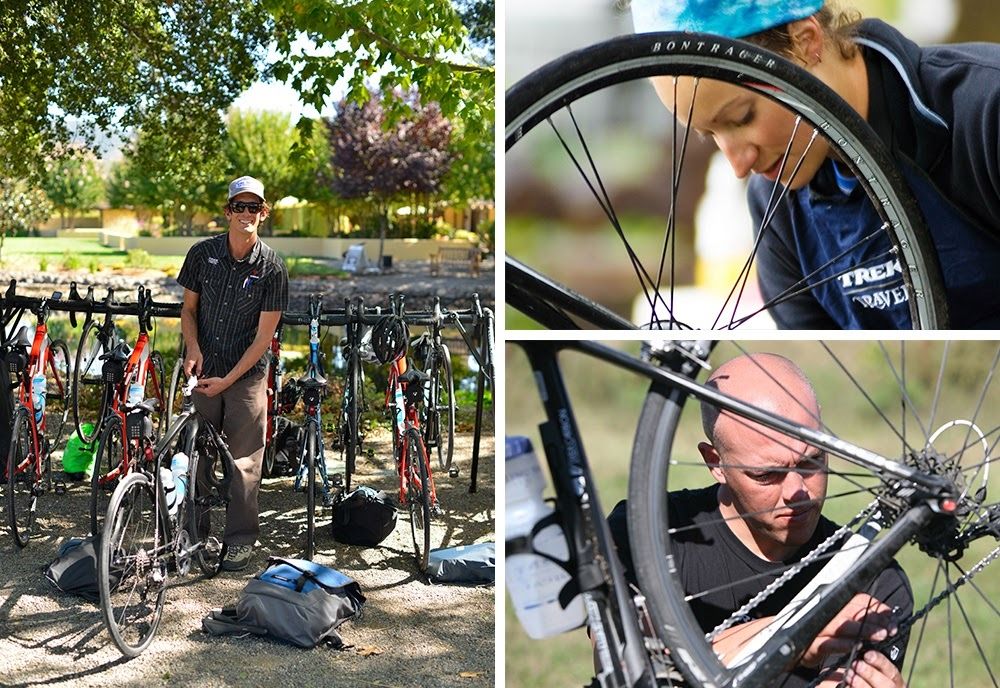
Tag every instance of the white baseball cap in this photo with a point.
(246, 185)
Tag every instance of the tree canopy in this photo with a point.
(73, 184)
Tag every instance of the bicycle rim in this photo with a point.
(175, 398)
(575, 97)
(155, 389)
(446, 403)
(205, 476)
(352, 436)
(89, 389)
(940, 417)
(132, 568)
(58, 393)
(21, 490)
(418, 496)
(109, 458)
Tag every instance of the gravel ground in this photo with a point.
(411, 634)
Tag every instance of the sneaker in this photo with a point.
(236, 557)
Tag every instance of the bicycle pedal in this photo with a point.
(452, 472)
(60, 488)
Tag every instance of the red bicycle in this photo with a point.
(128, 377)
(403, 397)
(41, 371)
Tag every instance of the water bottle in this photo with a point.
(179, 471)
(135, 392)
(400, 408)
(38, 395)
(169, 489)
(534, 582)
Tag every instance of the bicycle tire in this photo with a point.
(656, 457)
(350, 418)
(81, 381)
(155, 389)
(418, 496)
(203, 495)
(443, 397)
(58, 392)
(109, 457)
(121, 578)
(22, 496)
(565, 80)
(310, 457)
(174, 398)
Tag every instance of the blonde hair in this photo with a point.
(839, 26)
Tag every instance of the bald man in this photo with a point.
(762, 513)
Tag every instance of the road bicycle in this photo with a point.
(125, 378)
(144, 542)
(911, 462)
(572, 109)
(438, 410)
(312, 455)
(41, 371)
(280, 402)
(403, 397)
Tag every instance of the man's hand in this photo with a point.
(192, 363)
(872, 670)
(211, 386)
(863, 619)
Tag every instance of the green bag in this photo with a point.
(78, 459)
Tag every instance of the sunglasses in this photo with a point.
(239, 207)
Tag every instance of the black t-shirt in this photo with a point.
(712, 560)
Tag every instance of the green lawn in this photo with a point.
(88, 254)
(606, 405)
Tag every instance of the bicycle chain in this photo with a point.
(813, 556)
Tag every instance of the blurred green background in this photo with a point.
(607, 401)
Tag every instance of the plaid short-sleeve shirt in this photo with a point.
(231, 296)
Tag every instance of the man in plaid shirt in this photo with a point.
(235, 288)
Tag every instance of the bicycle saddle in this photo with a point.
(318, 382)
(414, 375)
(150, 405)
(21, 338)
(119, 353)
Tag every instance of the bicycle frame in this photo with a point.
(313, 406)
(613, 616)
(405, 416)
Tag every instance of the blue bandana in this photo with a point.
(729, 18)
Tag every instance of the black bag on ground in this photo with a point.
(74, 570)
(364, 517)
(294, 601)
(463, 564)
(287, 441)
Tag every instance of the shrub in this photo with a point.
(139, 258)
(94, 266)
(43, 263)
(71, 261)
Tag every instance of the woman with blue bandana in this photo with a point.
(936, 108)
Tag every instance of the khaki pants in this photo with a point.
(241, 414)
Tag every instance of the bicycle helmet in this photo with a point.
(390, 336)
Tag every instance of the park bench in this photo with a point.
(459, 257)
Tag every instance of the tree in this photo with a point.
(382, 163)
(76, 71)
(72, 184)
(393, 47)
(261, 143)
(479, 18)
(22, 208)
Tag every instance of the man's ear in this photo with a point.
(807, 40)
(712, 459)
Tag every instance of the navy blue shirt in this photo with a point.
(938, 111)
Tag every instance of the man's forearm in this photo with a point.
(189, 330)
(249, 359)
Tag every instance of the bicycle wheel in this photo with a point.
(310, 466)
(108, 462)
(440, 432)
(175, 398)
(351, 418)
(89, 390)
(58, 392)
(132, 565)
(926, 405)
(22, 493)
(418, 496)
(581, 95)
(206, 494)
(156, 382)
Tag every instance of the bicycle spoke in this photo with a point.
(923, 624)
(975, 639)
(904, 393)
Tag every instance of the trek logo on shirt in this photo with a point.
(878, 287)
